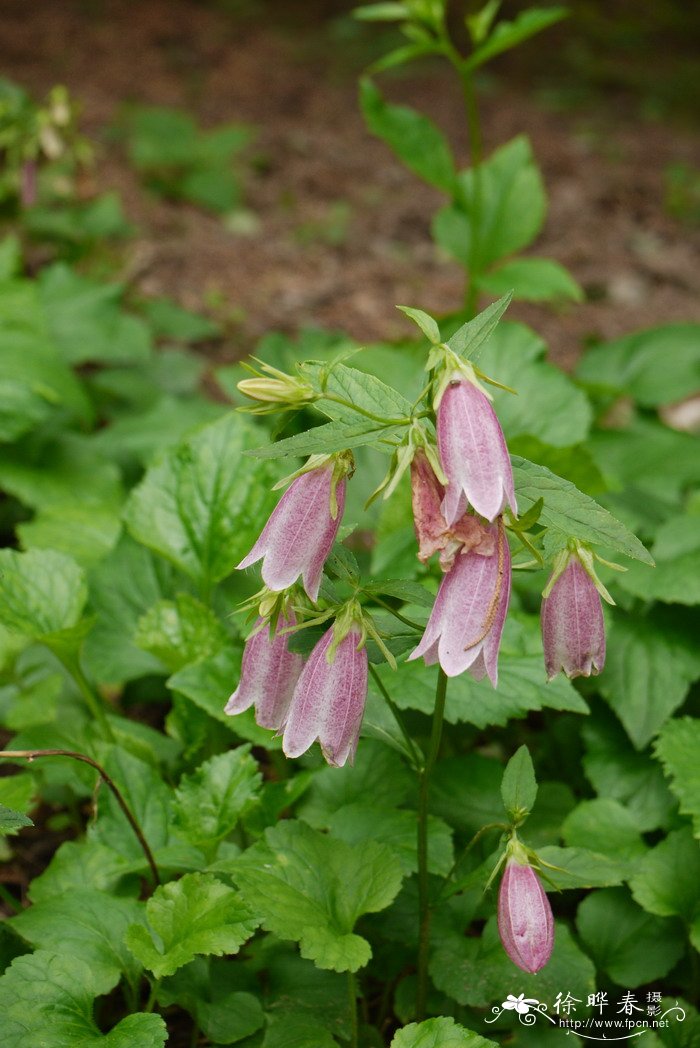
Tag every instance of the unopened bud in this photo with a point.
(525, 921)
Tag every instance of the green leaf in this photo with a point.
(676, 551)
(359, 388)
(416, 140)
(331, 437)
(42, 593)
(311, 889)
(678, 749)
(210, 802)
(637, 365)
(195, 915)
(85, 533)
(296, 1031)
(582, 868)
(628, 944)
(519, 785)
(403, 590)
(202, 503)
(470, 337)
(671, 462)
(180, 631)
(378, 773)
(648, 672)
(88, 924)
(438, 1033)
(168, 320)
(479, 973)
(666, 880)
(78, 865)
(61, 1014)
(605, 826)
(12, 821)
(425, 322)
(10, 257)
(509, 34)
(32, 373)
(384, 12)
(532, 280)
(141, 435)
(510, 202)
(209, 989)
(568, 512)
(365, 821)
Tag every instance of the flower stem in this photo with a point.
(423, 894)
(352, 1001)
(30, 755)
(413, 749)
(72, 665)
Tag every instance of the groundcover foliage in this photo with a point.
(199, 877)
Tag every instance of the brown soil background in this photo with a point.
(286, 71)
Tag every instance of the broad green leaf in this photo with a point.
(413, 137)
(605, 826)
(19, 793)
(22, 408)
(169, 320)
(365, 821)
(210, 801)
(41, 592)
(32, 372)
(626, 943)
(180, 631)
(378, 773)
(479, 973)
(666, 880)
(511, 208)
(311, 889)
(582, 868)
(65, 469)
(210, 990)
(671, 462)
(328, 438)
(648, 672)
(139, 436)
(678, 749)
(12, 821)
(470, 337)
(80, 865)
(297, 986)
(201, 505)
(506, 35)
(519, 785)
(532, 280)
(88, 924)
(85, 533)
(195, 915)
(47, 999)
(568, 512)
(619, 772)
(296, 1031)
(676, 579)
(637, 364)
(10, 257)
(439, 1033)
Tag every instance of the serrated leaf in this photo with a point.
(377, 773)
(329, 438)
(180, 631)
(532, 280)
(412, 136)
(665, 881)
(195, 915)
(88, 924)
(438, 1033)
(210, 801)
(61, 1014)
(648, 672)
(678, 749)
(41, 592)
(357, 387)
(519, 785)
(568, 512)
(628, 944)
(469, 338)
(11, 821)
(202, 503)
(365, 821)
(606, 827)
(310, 888)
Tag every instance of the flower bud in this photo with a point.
(269, 673)
(525, 921)
(301, 531)
(465, 626)
(329, 699)
(473, 452)
(275, 389)
(573, 630)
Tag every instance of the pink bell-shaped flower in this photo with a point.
(465, 626)
(301, 531)
(525, 921)
(329, 699)
(269, 673)
(473, 452)
(573, 630)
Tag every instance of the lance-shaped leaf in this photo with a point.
(311, 888)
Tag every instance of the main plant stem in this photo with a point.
(30, 755)
(92, 701)
(423, 887)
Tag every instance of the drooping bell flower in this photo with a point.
(269, 673)
(302, 528)
(465, 626)
(525, 921)
(329, 699)
(573, 630)
(432, 531)
(473, 451)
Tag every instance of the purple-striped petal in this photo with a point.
(269, 673)
(525, 921)
(573, 629)
(473, 453)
